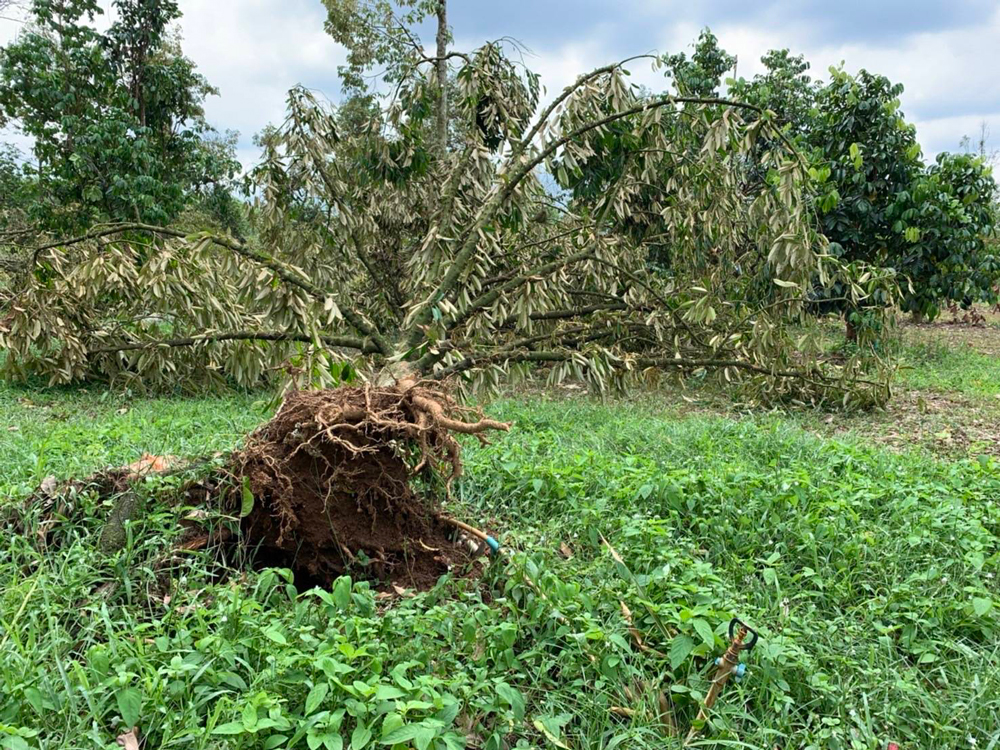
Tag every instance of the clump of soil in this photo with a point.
(332, 482)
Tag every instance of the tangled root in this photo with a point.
(331, 475)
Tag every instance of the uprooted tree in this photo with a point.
(415, 235)
(379, 241)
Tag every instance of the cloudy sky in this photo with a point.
(945, 52)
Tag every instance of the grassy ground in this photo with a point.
(946, 396)
(869, 569)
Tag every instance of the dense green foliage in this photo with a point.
(876, 201)
(871, 577)
(115, 117)
(872, 153)
(703, 73)
(946, 216)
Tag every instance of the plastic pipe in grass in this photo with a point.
(492, 543)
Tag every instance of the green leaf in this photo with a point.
(233, 727)
(275, 635)
(247, 505)
(316, 696)
(404, 733)
(273, 741)
(981, 606)
(360, 737)
(342, 592)
(425, 734)
(447, 714)
(332, 667)
(250, 717)
(513, 697)
(388, 693)
(680, 649)
(333, 742)
(391, 723)
(129, 704)
(703, 629)
(34, 698)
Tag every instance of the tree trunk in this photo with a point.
(113, 534)
(850, 331)
(441, 65)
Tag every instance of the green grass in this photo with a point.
(75, 430)
(935, 365)
(871, 576)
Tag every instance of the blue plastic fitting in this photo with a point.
(493, 544)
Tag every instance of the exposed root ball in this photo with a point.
(331, 478)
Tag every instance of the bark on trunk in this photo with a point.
(113, 534)
(442, 76)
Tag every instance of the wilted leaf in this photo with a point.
(129, 740)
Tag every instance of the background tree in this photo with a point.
(703, 73)
(115, 118)
(785, 89)
(16, 229)
(868, 154)
(946, 218)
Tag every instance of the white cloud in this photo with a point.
(254, 54)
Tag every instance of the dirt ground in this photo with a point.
(332, 484)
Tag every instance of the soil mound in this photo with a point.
(331, 477)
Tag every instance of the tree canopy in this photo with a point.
(878, 202)
(115, 117)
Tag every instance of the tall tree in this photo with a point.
(115, 118)
(946, 218)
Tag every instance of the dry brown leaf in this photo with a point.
(400, 591)
(565, 550)
(612, 550)
(129, 740)
(150, 464)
